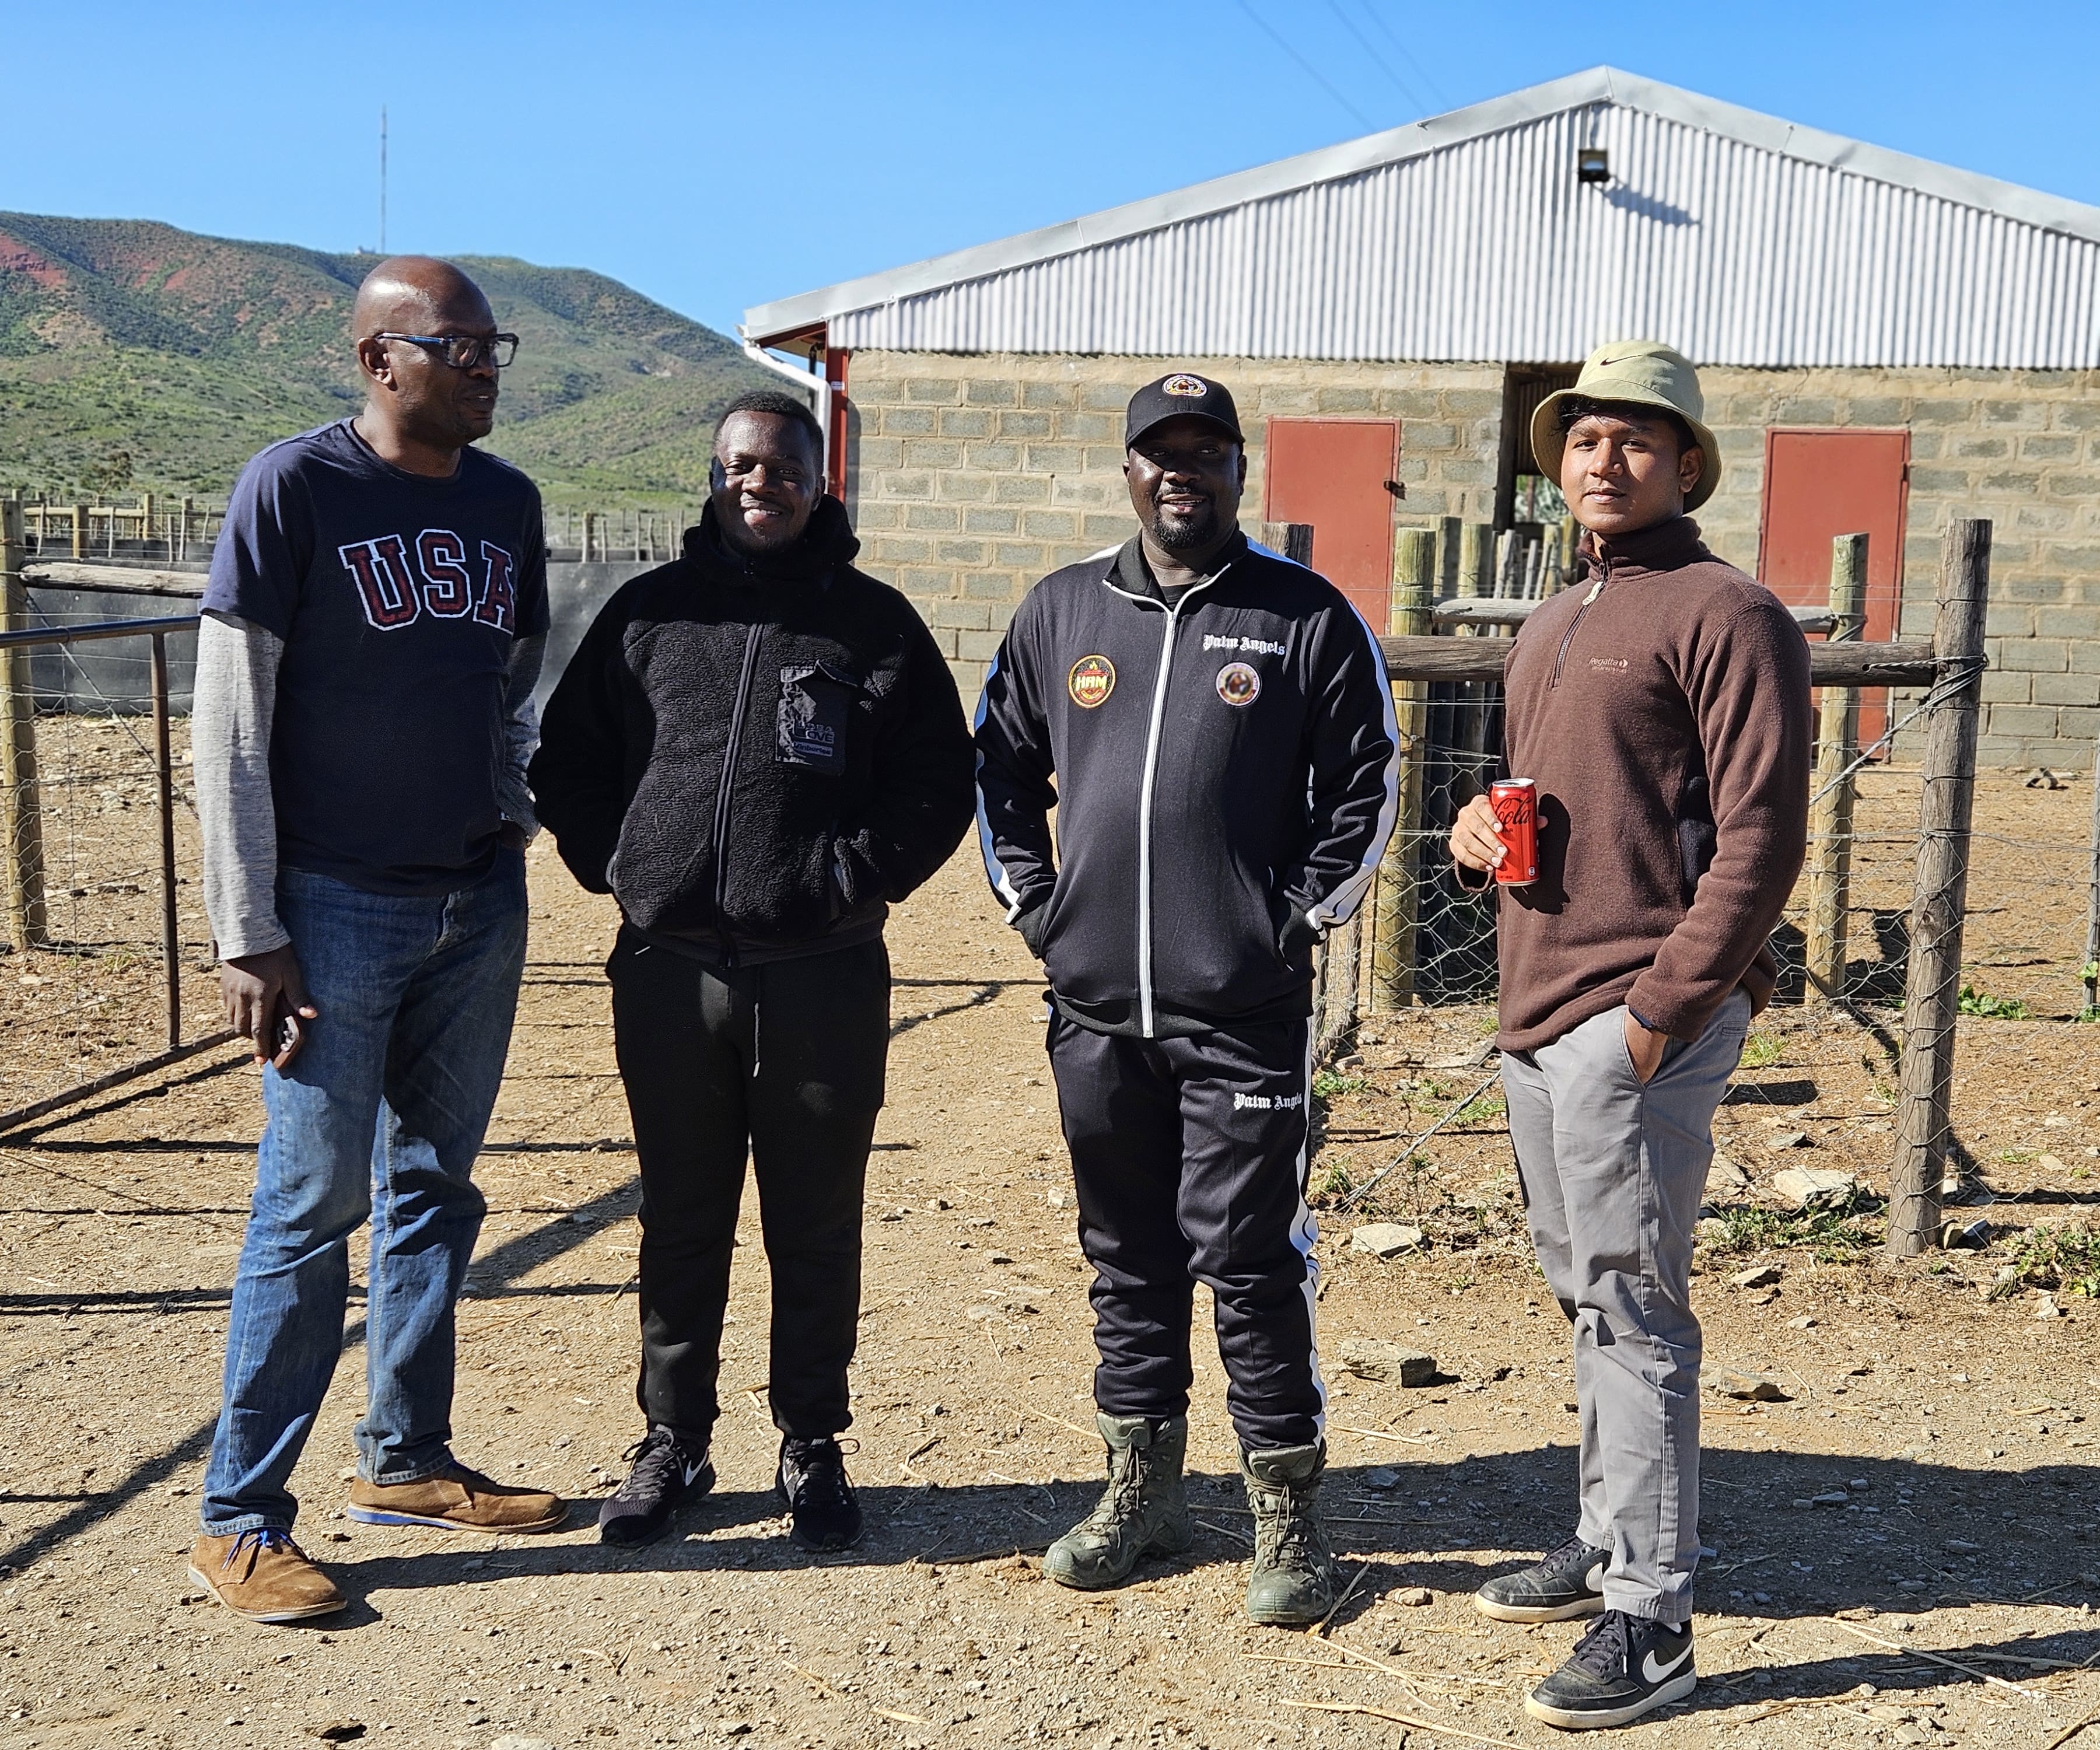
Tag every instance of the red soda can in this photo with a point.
(1515, 803)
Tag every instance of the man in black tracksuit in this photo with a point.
(757, 749)
(1214, 726)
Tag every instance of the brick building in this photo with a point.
(1885, 343)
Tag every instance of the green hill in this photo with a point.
(134, 355)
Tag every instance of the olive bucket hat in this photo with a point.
(1637, 373)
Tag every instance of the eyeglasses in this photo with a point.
(463, 352)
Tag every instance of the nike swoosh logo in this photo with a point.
(691, 1471)
(1651, 1673)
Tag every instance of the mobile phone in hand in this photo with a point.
(289, 1038)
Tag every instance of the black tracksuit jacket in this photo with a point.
(756, 757)
(1223, 772)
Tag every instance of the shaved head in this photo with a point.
(419, 411)
(407, 293)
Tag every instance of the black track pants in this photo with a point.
(786, 1059)
(1190, 1159)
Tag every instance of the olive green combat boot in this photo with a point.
(1144, 1511)
(1293, 1580)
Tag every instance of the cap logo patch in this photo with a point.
(1185, 386)
(1238, 684)
(1090, 681)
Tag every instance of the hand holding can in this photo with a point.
(1515, 803)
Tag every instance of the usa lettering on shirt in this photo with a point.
(394, 592)
(1214, 641)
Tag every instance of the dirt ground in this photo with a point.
(1902, 1537)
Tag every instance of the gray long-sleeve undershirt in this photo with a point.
(232, 709)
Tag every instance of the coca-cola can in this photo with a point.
(1515, 803)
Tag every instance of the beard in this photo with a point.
(1178, 533)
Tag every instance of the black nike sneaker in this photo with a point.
(667, 1471)
(1569, 1582)
(822, 1512)
(1625, 1667)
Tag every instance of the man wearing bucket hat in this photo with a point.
(1213, 724)
(1661, 704)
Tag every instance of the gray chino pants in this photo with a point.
(1612, 1173)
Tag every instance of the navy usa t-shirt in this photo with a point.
(398, 598)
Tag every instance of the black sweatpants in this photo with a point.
(1188, 1156)
(786, 1059)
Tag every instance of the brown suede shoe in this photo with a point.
(456, 1500)
(264, 1576)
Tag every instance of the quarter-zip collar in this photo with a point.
(1666, 546)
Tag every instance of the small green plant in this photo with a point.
(1974, 1002)
(2016, 1156)
(2091, 1011)
(1760, 1050)
(2065, 1259)
(1335, 1180)
(1326, 1084)
(1491, 1108)
(1834, 1233)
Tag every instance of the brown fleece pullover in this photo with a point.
(1661, 704)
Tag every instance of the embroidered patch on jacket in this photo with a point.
(1090, 681)
(1238, 685)
(1185, 386)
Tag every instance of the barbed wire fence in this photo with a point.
(1928, 893)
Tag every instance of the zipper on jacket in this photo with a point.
(1568, 637)
(1144, 792)
(725, 789)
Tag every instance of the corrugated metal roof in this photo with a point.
(1742, 239)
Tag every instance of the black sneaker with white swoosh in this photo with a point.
(1623, 1668)
(668, 1470)
(1569, 1582)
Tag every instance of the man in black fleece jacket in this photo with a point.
(757, 749)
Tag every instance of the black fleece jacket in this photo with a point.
(754, 757)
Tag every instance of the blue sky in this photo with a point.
(716, 156)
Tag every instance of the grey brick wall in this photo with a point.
(2021, 448)
(972, 476)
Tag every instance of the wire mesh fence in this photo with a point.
(2024, 948)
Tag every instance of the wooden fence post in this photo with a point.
(1392, 940)
(1834, 785)
(21, 815)
(80, 531)
(1932, 986)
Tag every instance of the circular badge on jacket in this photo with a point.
(1090, 681)
(1238, 685)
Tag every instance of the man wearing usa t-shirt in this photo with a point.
(372, 634)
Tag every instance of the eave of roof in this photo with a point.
(1599, 84)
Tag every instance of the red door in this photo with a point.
(1333, 473)
(1820, 484)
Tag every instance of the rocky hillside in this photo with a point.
(133, 355)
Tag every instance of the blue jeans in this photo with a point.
(381, 1114)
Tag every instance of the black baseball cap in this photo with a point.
(1180, 396)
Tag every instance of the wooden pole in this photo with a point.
(1450, 539)
(1393, 938)
(80, 531)
(1932, 987)
(21, 815)
(1470, 719)
(1834, 785)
